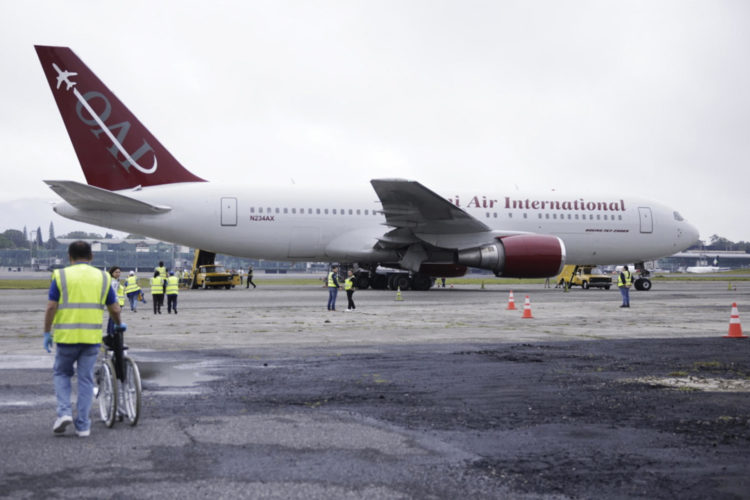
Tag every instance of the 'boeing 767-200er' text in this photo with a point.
(135, 185)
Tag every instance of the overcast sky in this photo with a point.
(644, 98)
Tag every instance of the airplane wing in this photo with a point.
(408, 204)
(85, 197)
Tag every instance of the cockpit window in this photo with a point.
(678, 217)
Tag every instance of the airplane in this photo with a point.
(702, 267)
(135, 185)
(64, 77)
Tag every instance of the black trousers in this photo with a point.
(349, 295)
(158, 299)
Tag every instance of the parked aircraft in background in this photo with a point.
(702, 267)
(135, 185)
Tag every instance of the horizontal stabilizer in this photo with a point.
(85, 197)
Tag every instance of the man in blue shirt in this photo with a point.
(75, 315)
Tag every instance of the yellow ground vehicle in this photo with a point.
(584, 276)
(207, 274)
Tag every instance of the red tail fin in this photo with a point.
(115, 150)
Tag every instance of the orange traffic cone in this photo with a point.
(527, 309)
(511, 302)
(735, 329)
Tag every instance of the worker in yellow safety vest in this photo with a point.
(173, 288)
(73, 320)
(163, 273)
(349, 288)
(333, 288)
(157, 291)
(624, 281)
(132, 290)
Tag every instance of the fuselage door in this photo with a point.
(647, 223)
(229, 211)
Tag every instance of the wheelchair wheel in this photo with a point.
(131, 392)
(107, 394)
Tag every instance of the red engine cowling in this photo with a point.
(519, 256)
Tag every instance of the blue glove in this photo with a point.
(48, 341)
(122, 327)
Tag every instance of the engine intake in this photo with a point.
(519, 256)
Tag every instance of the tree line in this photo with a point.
(13, 239)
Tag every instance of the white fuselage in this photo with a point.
(330, 225)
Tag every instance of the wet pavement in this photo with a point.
(262, 394)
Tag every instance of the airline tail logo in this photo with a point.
(97, 121)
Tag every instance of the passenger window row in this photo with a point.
(313, 211)
(554, 216)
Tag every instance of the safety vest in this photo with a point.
(331, 283)
(162, 271)
(80, 311)
(157, 285)
(121, 294)
(173, 285)
(131, 284)
(628, 279)
(349, 283)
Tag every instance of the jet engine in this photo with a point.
(518, 256)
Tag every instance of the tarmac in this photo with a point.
(262, 393)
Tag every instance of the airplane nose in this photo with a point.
(691, 233)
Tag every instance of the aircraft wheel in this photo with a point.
(643, 284)
(421, 282)
(401, 281)
(379, 282)
(363, 281)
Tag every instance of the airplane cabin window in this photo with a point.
(334, 211)
(286, 211)
(252, 210)
(358, 212)
(294, 210)
(325, 211)
(277, 209)
(260, 210)
(525, 215)
(317, 211)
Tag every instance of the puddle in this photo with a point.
(179, 377)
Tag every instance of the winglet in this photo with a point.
(113, 147)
